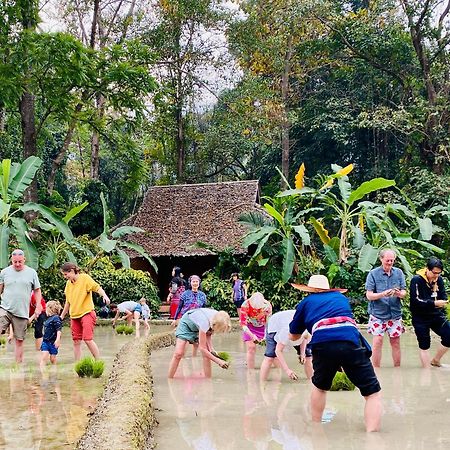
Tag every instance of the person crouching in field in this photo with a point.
(336, 343)
(277, 341)
(52, 333)
(145, 312)
(253, 318)
(197, 326)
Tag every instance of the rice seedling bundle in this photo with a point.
(341, 382)
(89, 367)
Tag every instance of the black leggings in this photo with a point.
(439, 324)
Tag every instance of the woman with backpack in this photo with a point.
(239, 294)
(177, 286)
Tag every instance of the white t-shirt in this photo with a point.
(127, 306)
(279, 324)
(202, 317)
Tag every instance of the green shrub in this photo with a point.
(89, 367)
(218, 293)
(124, 329)
(341, 382)
(126, 284)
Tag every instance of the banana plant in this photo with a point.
(407, 235)
(282, 234)
(15, 178)
(113, 242)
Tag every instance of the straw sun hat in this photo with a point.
(317, 284)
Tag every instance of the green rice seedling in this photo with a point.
(224, 355)
(89, 367)
(262, 342)
(98, 368)
(124, 329)
(2, 341)
(341, 382)
(83, 367)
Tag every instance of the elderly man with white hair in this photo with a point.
(336, 344)
(17, 282)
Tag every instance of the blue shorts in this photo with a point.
(138, 309)
(47, 346)
(271, 345)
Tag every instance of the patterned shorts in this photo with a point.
(393, 327)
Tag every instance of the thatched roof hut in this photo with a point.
(176, 217)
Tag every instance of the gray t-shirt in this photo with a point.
(17, 288)
(386, 308)
(202, 317)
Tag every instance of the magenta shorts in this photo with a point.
(259, 332)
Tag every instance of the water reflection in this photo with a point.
(50, 410)
(241, 412)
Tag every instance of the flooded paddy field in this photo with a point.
(234, 411)
(51, 410)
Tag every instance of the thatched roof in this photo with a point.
(175, 217)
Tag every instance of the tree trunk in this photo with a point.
(179, 142)
(2, 119)
(26, 107)
(57, 162)
(285, 126)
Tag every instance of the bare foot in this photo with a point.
(435, 363)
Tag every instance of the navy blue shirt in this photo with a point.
(51, 326)
(386, 308)
(325, 305)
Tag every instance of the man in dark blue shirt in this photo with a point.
(336, 343)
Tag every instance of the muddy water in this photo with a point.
(233, 411)
(51, 410)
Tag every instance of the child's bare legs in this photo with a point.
(136, 316)
(251, 351)
(44, 359)
(38, 343)
(194, 349)
(53, 359)
(178, 354)
(146, 324)
(265, 368)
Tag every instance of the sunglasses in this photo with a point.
(18, 253)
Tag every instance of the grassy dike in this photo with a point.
(124, 417)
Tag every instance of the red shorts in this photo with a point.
(83, 327)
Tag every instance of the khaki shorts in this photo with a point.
(19, 324)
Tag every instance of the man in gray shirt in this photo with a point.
(17, 281)
(385, 287)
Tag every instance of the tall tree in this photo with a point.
(271, 42)
(183, 36)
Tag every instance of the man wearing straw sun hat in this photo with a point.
(336, 343)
